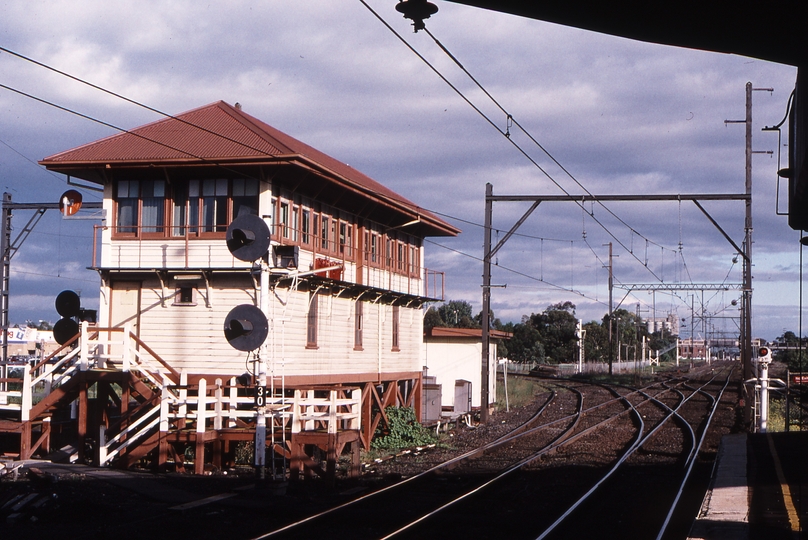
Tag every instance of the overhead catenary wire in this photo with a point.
(506, 134)
(516, 272)
(511, 121)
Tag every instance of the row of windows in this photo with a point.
(359, 324)
(330, 233)
(205, 207)
(153, 208)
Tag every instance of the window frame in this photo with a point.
(178, 301)
(396, 330)
(311, 320)
(180, 214)
(359, 325)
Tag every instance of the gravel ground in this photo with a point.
(81, 502)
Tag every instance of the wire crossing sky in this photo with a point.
(598, 114)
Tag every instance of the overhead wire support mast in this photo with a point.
(489, 251)
(8, 248)
(746, 303)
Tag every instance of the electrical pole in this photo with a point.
(484, 378)
(611, 304)
(746, 299)
(5, 252)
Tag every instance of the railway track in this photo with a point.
(552, 475)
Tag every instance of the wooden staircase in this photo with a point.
(116, 410)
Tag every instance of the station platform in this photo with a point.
(759, 489)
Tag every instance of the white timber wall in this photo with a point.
(452, 359)
(191, 337)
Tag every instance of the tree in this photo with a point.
(457, 314)
(432, 319)
(525, 345)
(627, 331)
(794, 356)
(557, 327)
(596, 342)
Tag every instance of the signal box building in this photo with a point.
(341, 287)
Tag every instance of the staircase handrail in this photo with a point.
(47, 359)
(51, 368)
(156, 356)
(132, 435)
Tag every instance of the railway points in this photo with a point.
(534, 468)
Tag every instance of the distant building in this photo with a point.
(455, 354)
(28, 341)
(668, 324)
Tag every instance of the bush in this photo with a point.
(405, 431)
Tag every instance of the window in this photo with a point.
(345, 245)
(196, 207)
(395, 328)
(305, 226)
(214, 204)
(374, 247)
(311, 322)
(402, 257)
(140, 202)
(359, 323)
(245, 196)
(324, 228)
(184, 296)
(295, 214)
(127, 198)
(284, 216)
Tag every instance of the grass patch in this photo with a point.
(521, 391)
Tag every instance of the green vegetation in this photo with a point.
(550, 336)
(404, 432)
(521, 391)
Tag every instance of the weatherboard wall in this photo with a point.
(190, 336)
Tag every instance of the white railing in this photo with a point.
(199, 407)
(332, 413)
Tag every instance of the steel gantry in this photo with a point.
(489, 252)
(9, 247)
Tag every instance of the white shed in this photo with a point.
(455, 354)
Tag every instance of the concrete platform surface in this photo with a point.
(758, 490)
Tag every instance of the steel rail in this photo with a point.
(635, 446)
(471, 453)
(514, 467)
(675, 503)
(562, 440)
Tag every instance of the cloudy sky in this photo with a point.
(619, 116)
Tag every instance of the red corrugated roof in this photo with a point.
(443, 331)
(219, 133)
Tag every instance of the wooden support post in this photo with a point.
(163, 446)
(82, 421)
(232, 405)
(331, 458)
(199, 458)
(368, 394)
(99, 424)
(25, 440)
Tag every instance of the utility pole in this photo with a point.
(5, 252)
(611, 305)
(484, 378)
(746, 299)
(747, 260)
